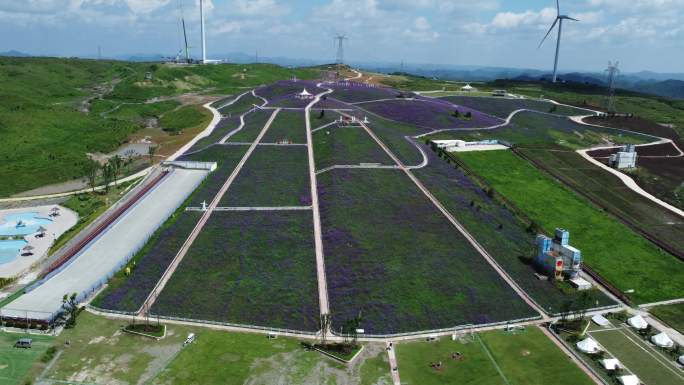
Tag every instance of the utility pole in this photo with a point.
(204, 44)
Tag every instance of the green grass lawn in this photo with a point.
(375, 370)
(608, 246)
(526, 358)
(15, 363)
(639, 357)
(672, 315)
(184, 118)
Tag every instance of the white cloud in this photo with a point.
(510, 20)
(145, 6)
(258, 8)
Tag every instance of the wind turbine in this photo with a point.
(559, 21)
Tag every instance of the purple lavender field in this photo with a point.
(393, 257)
(430, 113)
(286, 88)
(352, 92)
(254, 268)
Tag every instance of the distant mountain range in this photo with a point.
(669, 85)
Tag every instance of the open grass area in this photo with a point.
(502, 107)
(185, 118)
(272, 176)
(393, 257)
(346, 146)
(16, 363)
(498, 229)
(497, 357)
(240, 106)
(639, 357)
(673, 315)
(287, 126)
(608, 191)
(255, 268)
(618, 254)
(254, 122)
(531, 128)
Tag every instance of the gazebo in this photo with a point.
(304, 95)
(467, 88)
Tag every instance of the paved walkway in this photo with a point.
(202, 222)
(275, 208)
(394, 368)
(318, 237)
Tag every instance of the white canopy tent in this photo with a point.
(629, 380)
(681, 359)
(600, 320)
(637, 322)
(467, 88)
(588, 346)
(662, 340)
(611, 364)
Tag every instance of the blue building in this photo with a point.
(556, 258)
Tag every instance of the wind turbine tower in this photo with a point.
(612, 72)
(204, 43)
(340, 49)
(559, 21)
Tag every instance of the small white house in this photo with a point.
(611, 364)
(629, 380)
(625, 158)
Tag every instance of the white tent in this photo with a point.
(600, 320)
(629, 380)
(467, 88)
(588, 346)
(681, 359)
(662, 340)
(637, 322)
(611, 364)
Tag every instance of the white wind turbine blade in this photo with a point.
(548, 33)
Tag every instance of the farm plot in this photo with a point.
(430, 114)
(531, 128)
(496, 357)
(272, 176)
(128, 292)
(393, 257)
(609, 192)
(499, 231)
(660, 170)
(288, 126)
(396, 136)
(255, 268)
(225, 126)
(240, 106)
(226, 157)
(639, 125)
(254, 122)
(346, 146)
(502, 107)
(627, 260)
(352, 92)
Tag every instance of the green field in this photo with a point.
(48, 126)
(346, 146)
(16, 363)
(288, 125)
(638, 356)
(184, 118)
(608, 246)
(672, 315)
(525, 358)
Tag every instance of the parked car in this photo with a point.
(24, 343)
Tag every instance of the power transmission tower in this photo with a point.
(612, 73)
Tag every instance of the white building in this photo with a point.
(462, 145)
(626, 158)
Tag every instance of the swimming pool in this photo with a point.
(22, 223)
(9, 250)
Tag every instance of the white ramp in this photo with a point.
(110, 251)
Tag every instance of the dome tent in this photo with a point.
(662, 340)
(637, 322)
(588, 346)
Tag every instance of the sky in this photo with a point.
(640, 34)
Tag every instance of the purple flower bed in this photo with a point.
(253, 268)
(352, 92)
(226, 157)
(242, 105)
(495, 227)
(340, 146)
(430, 113)
(328, 102)
(254, 122)
(128, 294)
(393, 257)
(502, 107)
(225, 126)
(286, 88)
(272, 176)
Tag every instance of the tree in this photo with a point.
(116, 162)
(456, 113)
(322, 114)
(70, 305)
(151, 151)
(90, 169)
(468, 115)
(107, 175)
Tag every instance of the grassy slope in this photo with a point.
(608, 246)
(45, 137)
(673, 315)
(16, 363)
(527, 358)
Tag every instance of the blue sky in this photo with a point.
(641, 34)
